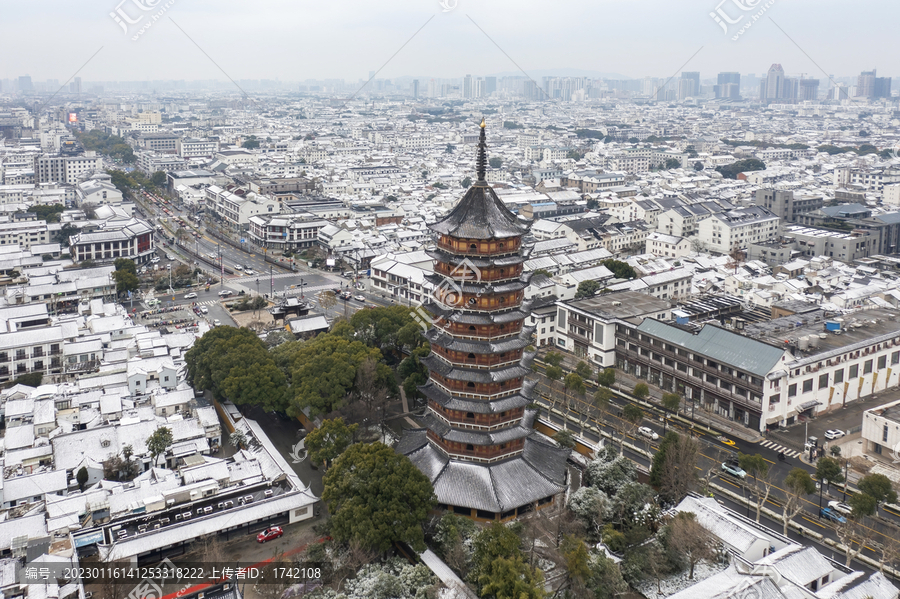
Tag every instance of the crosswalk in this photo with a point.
(791, 453)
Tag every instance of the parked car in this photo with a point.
(170, 257)
(217, 323)
(830, 514)
(733, 469)
(154, 259)
(841, 508)
(834, 434)
(648, 432)
(226, 293)
(204, 310)
(238, 267)
(269, 534)
(191, 295)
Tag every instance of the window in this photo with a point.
(470, 447)
(838, 376)
(792, 390)
(854, 371)
(823, 381)
(884, 434)
(867, 367)
(882, 362)
(895, 357)
(807, 385)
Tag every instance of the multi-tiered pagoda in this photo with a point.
(478, 447)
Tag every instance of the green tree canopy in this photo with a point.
(251, 143)
(731, 171)
(879, 487)
(48, 213)
(158, 179)
(588, 288)
(159, 442)
(607, 377)
(829, 469)
(620, 270)
(495, 162)
(641, 391)
(329, 440)
(126, 281)
(862, 504)
(377, 496)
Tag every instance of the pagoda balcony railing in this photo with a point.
(470, 423)
(479, 396)
(477, 363)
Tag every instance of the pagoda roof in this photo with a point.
(477, 406)
(481, 286)
(475, 437)
(472, 316)
(482, 262)
(441, 338)
(473, 375)
(537, 473)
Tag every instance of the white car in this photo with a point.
(204, 310)
(360, 298)
(226, 293)
(649, 433)
(238, 267)
(840, 507)
(834, 434)
(170, 257)
(217, 323)
(249, 272)
(191, 295)
(154, 259)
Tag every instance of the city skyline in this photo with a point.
(227, 40)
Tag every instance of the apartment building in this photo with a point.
(668, 246)
(165, 143)
(783, 203)
(192, 147)
(25, 234)
(237, 208)
(66, 169)
(150, 162)
(738, 228)
(286, 231)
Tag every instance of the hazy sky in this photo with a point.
(294, 40)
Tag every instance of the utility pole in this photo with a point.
(221, 265)
(271, 283)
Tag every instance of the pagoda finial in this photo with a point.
(481, 161)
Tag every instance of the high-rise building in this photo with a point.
(531, 91)
(809, 90)
(728, 85)
(686, 88)
(774, 84)
(432, 89)
(882, 87)
(790, 89)
(729, 77)
(468, 88)
(25, 84)
(490, 85)
(693, 76)
(479, 88)
(75, 86)
(865, 84)
(478, 447)
(415, 89)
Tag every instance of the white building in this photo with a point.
(722, 232)
(669, 246)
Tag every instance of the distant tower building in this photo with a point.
(490, 85)
(432, 89)
(478, 447)
(774, 84)
(865, 84)
(689, 85)
(75, 86)
(25, 84)
(882, 87)
(479, 88)
(531, 91)
(415, 89)
(809, 90)
(728, 85)
(790, 89)
(468, 87)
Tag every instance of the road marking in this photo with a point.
(813, 522)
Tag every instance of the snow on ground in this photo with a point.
(679, 581)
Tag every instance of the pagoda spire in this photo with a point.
(481, 161)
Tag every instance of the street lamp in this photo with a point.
(822, 484)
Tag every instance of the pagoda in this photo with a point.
(478, 446)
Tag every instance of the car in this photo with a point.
(840, 507)
(238, 267)
(217, 323)
(249, 272)
(727, 441)
(359, 298)
(226, 293)
(204, 310)
(734, 470)
(648, 432)
(191, 295)
(830, 514)
(168, 267)
(170, 257)
(154, 259)
(834, 434)
(269, 534)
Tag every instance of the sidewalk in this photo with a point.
(626, 382)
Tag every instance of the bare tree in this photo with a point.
(797, 485)
(692, 539)
(889, 552)
(850, 533)
(763, 478)
(678, 474)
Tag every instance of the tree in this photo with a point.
(862, 504)
(81, 477)
(159, 441)
(797, 485)
(553, 373)
(829, 469)
(377, 496)
(879, 487)
(584, 370)
(251, 143)
(329, 440)
(602, 399)
(641, 391)
(608, 476)
(672, 470)
(126, 282)
(731, 171)
(554, 358)
(576, 559)
(633, 415)
(573, 384)
(158, 179)
(671, 402)
(512, 578)
(65, 232)
(672, 163)
(495, 162)
(238, 439)
(698, 166)
(125, 264)
(756, 466)
(466, 182)
(592, 507)
(450, 535)
(565, 438)
(620, 270)
(587, 288)
(850, 533)
(693, 540)
(606, 377)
